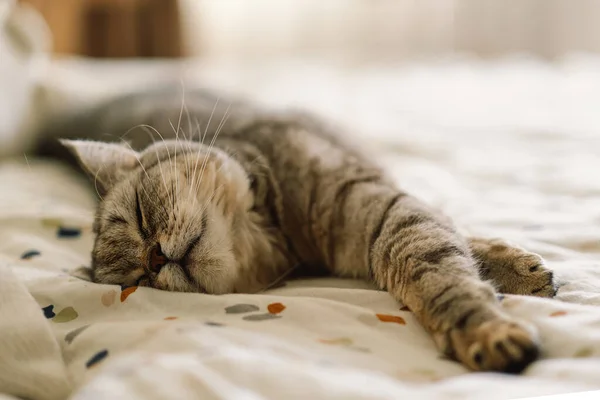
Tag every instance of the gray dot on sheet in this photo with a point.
(261, 317)
(69, 337)
(241, 308)
(360, 348)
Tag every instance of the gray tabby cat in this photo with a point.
(256, 194)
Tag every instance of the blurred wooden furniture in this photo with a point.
(113, 28)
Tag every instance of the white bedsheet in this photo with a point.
(507, 149)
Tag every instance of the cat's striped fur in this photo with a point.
(280, 191)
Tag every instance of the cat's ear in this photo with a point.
(106, 163)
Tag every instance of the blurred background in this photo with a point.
(386, 67)
(345, 30)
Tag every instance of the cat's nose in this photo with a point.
(157, 258)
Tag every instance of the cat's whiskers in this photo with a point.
(170, 195)
(205, 130)
(182, 105)
(145, 128)
(154, 202)
(174, 165)
(189, 139)
(256, 161)
(122, 139)
(136, 157)
(190, 128)
(212, 143)
(202, 143)
(280, 278)
(96, 182)
(188, 160)
(177, 135)
(27, 161)
(194, 162)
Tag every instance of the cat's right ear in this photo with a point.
(106, 163)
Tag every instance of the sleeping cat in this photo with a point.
(254, 194)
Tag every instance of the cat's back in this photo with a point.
(167, 112)
(145, 116)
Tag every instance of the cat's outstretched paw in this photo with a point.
(498, 345)
(515, 270)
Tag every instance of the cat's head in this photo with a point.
(167, 215)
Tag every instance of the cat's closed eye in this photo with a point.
(140, 217)
(116, 219)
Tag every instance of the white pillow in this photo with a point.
(25, 43)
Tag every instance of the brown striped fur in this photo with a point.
(279, 191)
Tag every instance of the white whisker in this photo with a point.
(188, 139)
(146, 127)
(193, 180)
(182, 104)
(143, 169)
(136, 157)
(96, 183)
(212, 142)
(279, 279)
(27, 161)
(174, 166)
(177, 134)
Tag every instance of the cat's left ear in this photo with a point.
(106, 163)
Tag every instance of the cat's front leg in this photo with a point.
(424, 263)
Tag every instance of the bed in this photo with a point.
(507, 148)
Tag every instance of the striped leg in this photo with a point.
(421, 260)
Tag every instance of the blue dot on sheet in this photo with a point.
(99, 356)
(68, 233)
(29, 254)
(49, 311)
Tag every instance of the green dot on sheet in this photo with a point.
(69, 337)
(67, 314)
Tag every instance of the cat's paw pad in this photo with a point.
(497, 345)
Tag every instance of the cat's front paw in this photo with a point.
(515, 270)
(498, 345)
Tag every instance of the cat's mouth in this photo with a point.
(172, 278)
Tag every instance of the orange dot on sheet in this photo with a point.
(170, 318)
(275, 308)
(391, 318)
(558, 313)
(108, 298)
(126, 292)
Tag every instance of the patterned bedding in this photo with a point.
(507, 149)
